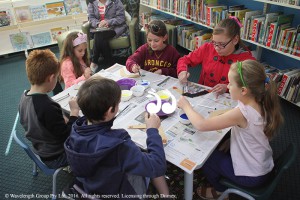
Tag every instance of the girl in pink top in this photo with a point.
(74, 59)
(254, 122)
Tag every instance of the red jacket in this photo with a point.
(214, 67)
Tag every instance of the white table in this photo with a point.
(187, 148)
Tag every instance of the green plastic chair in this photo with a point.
(281, 164)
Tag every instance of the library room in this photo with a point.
(177, 84)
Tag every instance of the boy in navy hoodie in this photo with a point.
(106, 161)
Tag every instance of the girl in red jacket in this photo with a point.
(216, 56)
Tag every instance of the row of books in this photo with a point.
(9, 15)
(290, 2)
(190, 37)
(187, 35)
(273, 30)
(288, 83)
(25, 40)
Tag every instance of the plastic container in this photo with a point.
(126, 95)
(138, 90)
(163, 95)
(126, 83)
(183, 117)
(144, 83)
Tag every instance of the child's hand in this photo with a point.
(159, 71)
(219, 89)
(87, 72)
(183, 77)
(74, 108)
(135, 68)
(152, 121)
(183, 103)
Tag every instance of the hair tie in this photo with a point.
(267, 80)
(82, 38)
(236, 20)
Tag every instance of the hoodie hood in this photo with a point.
(97, 141)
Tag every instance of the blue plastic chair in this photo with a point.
(281, 164)
(38, 162)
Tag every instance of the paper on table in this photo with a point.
(160, 131)
(125, 73)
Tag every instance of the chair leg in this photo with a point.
(34, 170)
(235, 191)
(54, 183)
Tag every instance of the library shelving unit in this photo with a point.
(266, 7)
(66, 22)
(259, 46)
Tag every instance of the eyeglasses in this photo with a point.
(221, 46)
(154, 28)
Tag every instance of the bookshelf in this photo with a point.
(265, 6)
(38, 24)
(258, 45)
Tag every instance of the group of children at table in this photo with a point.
(106, 160)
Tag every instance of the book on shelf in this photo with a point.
(55, 32)
(38, 12)
(5, 19)
(41, 39)
(55, 9)
(295, 43)
(270, 17)
(247, 22)
(256, 27)
(285, 81)
(23, 14)
(291, 87)
(275, 27)
(73, 7)
(21, 41)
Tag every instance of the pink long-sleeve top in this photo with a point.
(68, 74)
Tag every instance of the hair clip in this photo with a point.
(236, 20)
(82, 38)
(239, 70)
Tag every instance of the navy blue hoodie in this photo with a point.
(101, 157)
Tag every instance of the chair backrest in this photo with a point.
(281, 164)
(32, 155)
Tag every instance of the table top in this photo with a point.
(186, 147)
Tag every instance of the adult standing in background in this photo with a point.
(216, 56)
(105, 14)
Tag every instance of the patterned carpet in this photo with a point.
(15, 168)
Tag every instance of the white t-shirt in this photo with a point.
(249, 147)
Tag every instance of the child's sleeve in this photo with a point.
(67, 72)
(148, 164)
(172, 70)
(138, 57)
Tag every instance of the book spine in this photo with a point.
(282, 83)
(271, 33)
